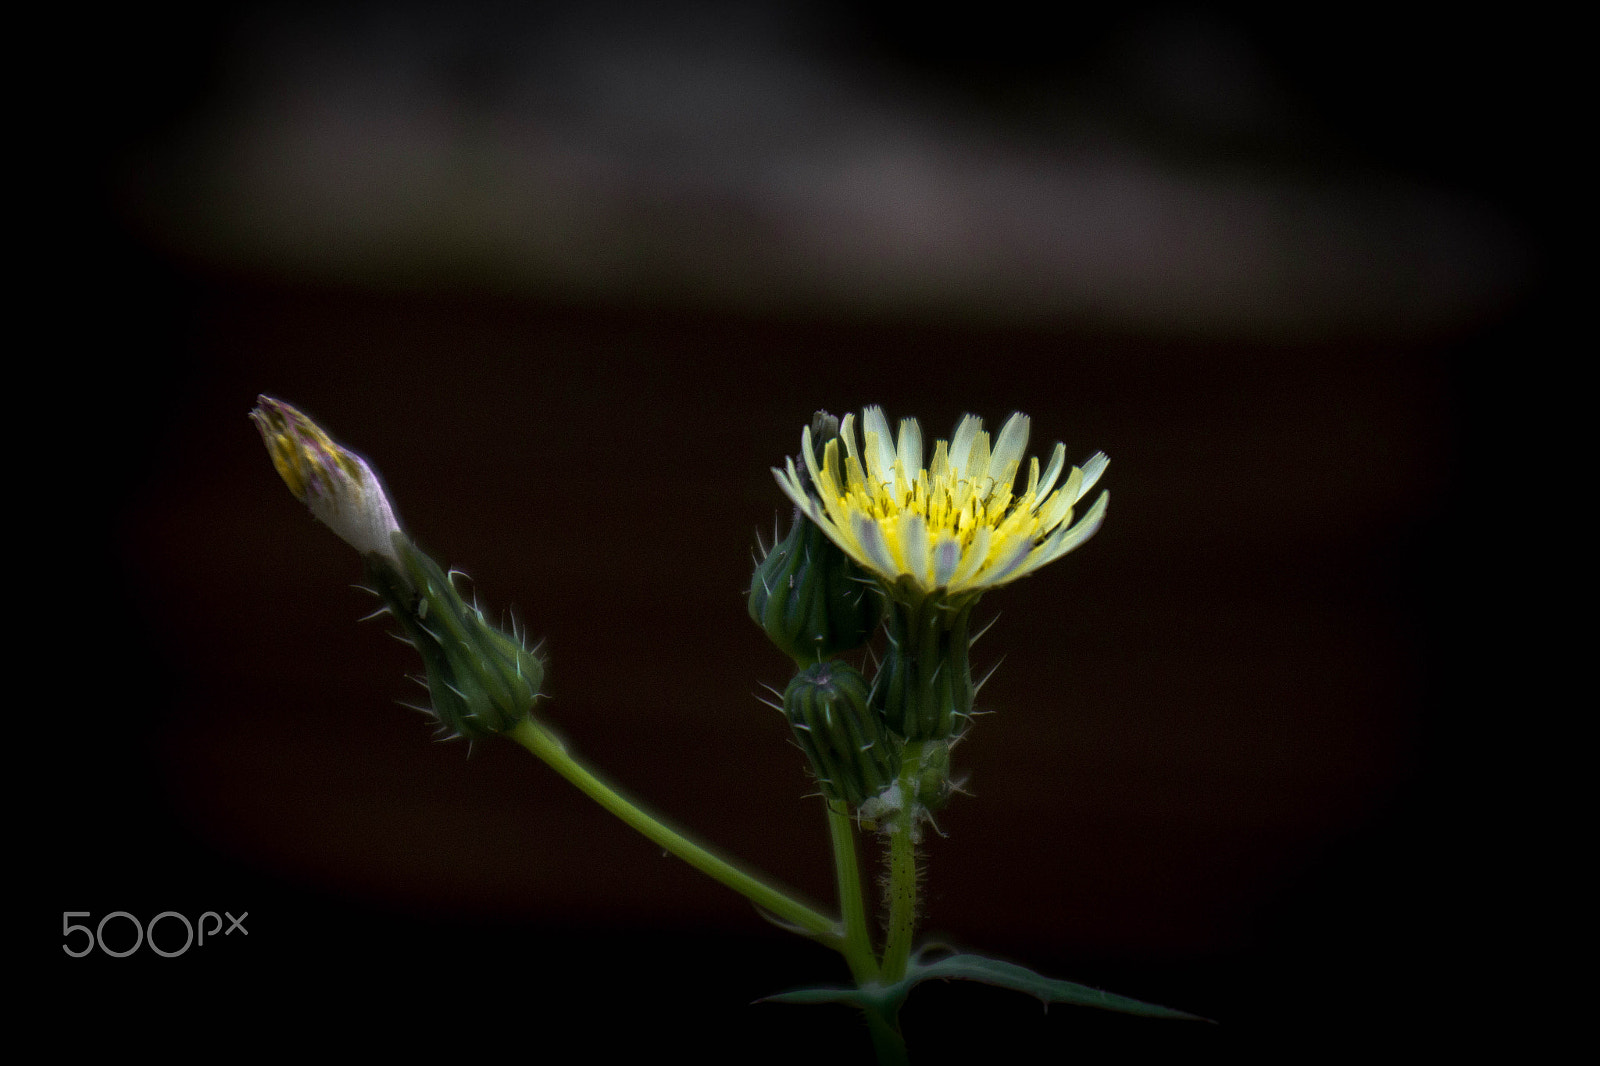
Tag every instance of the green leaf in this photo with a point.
(879, 998)
(987, 971)
(1048, 989)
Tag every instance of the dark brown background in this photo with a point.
(1235, 763)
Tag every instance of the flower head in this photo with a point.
(956, 524)
(338, 485)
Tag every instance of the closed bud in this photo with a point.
(853, 755)
(807, 594)
(932, 781)
(481, 679)
(811, 600)
(824, 427)
(930, 789)
(337, 484)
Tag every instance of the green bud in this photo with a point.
(932, 781)
(925, 789)
(810, 598)
(924, 686)
(852, 754)
(482, 680)
(824, 427)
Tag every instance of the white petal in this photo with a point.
(789, 481)
(847, 432)
(961, 443)
(1044, 553)
(1058, 460)
(1004, 568)
(913, 536)
(876, 552)
(946, 557)
(909, 454)
(879, 444)
(978, 465)
(809, 453)
(1007, 455)
(1071, 538)
(357, 510)
(1091, 473)
(972, 558)
(1058, 508)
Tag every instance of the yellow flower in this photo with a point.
(954, 525)
(338, 485)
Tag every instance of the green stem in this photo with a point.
(857, 937)
(887, 1041)
(539, 740)
(903, 869)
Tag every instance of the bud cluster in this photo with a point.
(934, 532)
(814, 602)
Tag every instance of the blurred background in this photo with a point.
(573, 278)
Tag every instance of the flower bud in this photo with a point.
(932, 783)
(481, 680)
(851, 752)
(811, 599)
(337, 484)
(927, 788)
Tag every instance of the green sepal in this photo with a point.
(924, 684)
(482, 681)
(887, 998)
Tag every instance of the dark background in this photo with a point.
(1239, 760)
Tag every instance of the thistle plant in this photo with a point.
(883, 563)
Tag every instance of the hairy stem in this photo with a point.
(903, 868)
